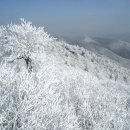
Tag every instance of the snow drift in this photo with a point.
(68, 88)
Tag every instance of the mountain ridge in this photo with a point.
(103, 48)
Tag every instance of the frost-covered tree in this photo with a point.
(19, 45)
(22, 41)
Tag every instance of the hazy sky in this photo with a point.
(71, 17)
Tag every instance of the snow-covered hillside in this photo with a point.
(47, 84)
(114, 49)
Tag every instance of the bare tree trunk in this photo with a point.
(28, 62)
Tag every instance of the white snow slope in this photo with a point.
(68, 87)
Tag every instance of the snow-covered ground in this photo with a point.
(61, 87)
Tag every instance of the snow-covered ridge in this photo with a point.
(114, 49)
(48, 84)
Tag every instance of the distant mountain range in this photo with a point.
(119, 47)
(117, 50)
